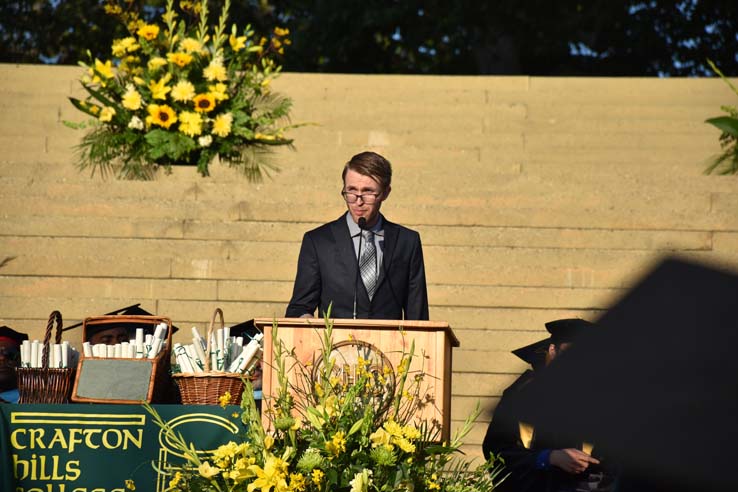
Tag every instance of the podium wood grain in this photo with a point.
(434, 341)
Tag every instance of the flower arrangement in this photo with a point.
(335, 430)
(727, 161)
(182, 93)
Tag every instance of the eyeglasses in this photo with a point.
(368, 198)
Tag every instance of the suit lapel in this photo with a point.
(345, 255)
(391, 232)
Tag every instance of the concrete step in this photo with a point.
(291, 232)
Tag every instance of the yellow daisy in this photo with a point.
(131, 98)
(180, 59)
(219, 91)
(191, 124)
(156, 63)
(222, 124)
(125, 45)
(190, 45)
(183, 91)
(148, 31)
(215, 71)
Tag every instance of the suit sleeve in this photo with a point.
(416, 304)
(306, 292)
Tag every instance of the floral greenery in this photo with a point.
(179, 93)
(727, 161)
(329, 434)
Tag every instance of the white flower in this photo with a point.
(205, 140)
(136, 123)
(361, 481)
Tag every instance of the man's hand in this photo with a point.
(306, 315)
(571, 460)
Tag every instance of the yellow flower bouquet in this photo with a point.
(177, 93)
(334, 430)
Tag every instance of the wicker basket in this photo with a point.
(46, 384)
(207, 387)
(160, 386)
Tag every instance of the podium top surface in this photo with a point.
(407, 325)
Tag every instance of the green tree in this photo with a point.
(533, 37)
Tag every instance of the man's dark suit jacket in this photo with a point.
(326, 273)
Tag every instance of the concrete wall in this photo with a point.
(536, 199)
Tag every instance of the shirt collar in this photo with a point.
(355, 230)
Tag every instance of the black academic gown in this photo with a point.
(327, 274)
(504, 438)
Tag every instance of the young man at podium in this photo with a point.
(361, 264)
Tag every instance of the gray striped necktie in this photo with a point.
(368, 263)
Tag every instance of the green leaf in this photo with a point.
(168, 144)
(357, 425)
(315, 418)
(726, 124)
(83, 106)
(99, 96)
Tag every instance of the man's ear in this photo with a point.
(551, 350)
(386, 192)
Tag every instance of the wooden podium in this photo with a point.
(433, 349)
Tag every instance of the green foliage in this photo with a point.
(182, 93)
(531, 37)
(334, 426)
(727, 161)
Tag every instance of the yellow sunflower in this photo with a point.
(204, 103)
(161, 115)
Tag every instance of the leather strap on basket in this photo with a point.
(217, 312)
(54, 316)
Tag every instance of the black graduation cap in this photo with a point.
(244, 329)
(8, 332)
(655, 387)
(561, 330)
(567, 330)
(534, 353)
(133, 310)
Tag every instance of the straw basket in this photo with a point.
(124, 380)
(46, 384)
(207, 387)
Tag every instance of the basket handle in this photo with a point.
(54, 316)
(217, 312)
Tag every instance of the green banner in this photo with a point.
(96, 448)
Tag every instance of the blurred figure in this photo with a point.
(10, 342)
(537, 459)
(108, 335)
